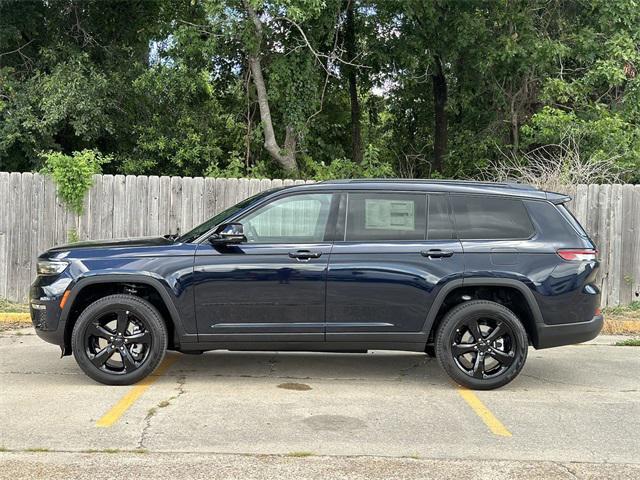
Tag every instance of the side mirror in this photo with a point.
(228, 233)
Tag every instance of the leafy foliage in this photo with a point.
(165, 87)
(74, 174)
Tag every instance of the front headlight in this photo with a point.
(51, 267)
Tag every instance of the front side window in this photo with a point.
(293, 219)
(386, 216)
(485, 217)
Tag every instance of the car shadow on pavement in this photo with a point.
(374, 365)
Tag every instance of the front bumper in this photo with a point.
(567, 333)
(45, 316)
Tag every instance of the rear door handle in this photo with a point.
(436, 253)
(304, 254)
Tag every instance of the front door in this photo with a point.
(273, 286)
(399, 248)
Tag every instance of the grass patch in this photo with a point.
(629, 342)
(300, 454)
(7, 306)
(37, 450)
(631, 310)
(4, 449)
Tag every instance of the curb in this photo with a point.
(15, 317)
(621, 327)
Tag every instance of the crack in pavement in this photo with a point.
(272, 361)
(420, 363)
(180, 380)
(567, 469)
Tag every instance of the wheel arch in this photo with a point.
(440, 305)
(167, 308)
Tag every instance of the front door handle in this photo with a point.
(304, 254)
(436, 253)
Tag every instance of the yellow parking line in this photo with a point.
(114, 414)
(496, 427)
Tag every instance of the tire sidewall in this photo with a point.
(143, 310)
(489, 309)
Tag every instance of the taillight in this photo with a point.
(578, 254)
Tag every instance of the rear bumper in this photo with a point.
(567, 333)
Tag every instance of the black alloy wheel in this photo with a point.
(119, 339)
(483, 347)
(481, 344)
(118, 342)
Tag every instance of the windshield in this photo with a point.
(220, 218)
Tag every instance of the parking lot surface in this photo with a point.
(573, 412)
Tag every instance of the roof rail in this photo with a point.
(513, 185)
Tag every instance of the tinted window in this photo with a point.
(386, 216)
(488, 217)
(566, 213)
(294, 219)
(439, 226)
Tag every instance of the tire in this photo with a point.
(119, 324)
(500, 339)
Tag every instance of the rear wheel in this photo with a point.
(119, 339)
(481, 345)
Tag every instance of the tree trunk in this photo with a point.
(286, 157)
(351, 50)
(514, 132)
(440, 105)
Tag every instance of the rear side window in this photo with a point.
(484, 217)
(439, 226)
(386, 216)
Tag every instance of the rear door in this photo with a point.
(396, 251)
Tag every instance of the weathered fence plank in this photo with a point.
(33, 218)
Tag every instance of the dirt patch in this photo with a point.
(5, 326)
(295, 386)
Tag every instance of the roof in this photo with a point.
(453, 186)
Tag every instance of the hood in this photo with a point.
(114, 243)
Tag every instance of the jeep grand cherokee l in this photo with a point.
(469, 272)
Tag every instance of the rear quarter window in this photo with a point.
(485, 217)
(566, 213)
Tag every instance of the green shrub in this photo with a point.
(73, 174)
(371, 167)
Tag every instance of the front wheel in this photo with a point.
(119, 339)
(481, 345)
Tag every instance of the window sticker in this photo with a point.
(382, 214)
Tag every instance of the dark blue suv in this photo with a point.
(471, 273)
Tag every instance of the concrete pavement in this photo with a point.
(573, 411)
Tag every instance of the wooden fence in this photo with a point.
(33, 218)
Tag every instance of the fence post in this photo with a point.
(4, 267)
